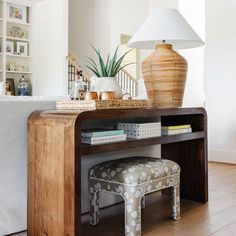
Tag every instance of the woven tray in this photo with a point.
(100, 104)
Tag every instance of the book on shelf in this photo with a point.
(176, 131)
(176, 127)
(88, 133)
(103, 139)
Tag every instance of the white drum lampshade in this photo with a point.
(165, 71)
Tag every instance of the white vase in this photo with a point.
(106, 84)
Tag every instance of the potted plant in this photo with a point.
(105, 72)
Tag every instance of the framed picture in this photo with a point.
(10, 87)
(16, 13)
(22, 48)
(9, 47)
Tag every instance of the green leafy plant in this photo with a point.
(109, 67)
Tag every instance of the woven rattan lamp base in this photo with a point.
(164, 73)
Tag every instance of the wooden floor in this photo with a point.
(217, 218)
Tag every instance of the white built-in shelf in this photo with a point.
(18, 72)
(20, 56)
(18, 23)
(6, 59)
(18, 39)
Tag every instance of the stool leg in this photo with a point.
(176, 202)
(133, 216)
(94, 206)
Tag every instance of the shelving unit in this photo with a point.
(15, 55)
(6, 38)
(19, 72)
(18, 39)
(188, 150)
(87, 149)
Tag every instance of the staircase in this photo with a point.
(126, 81)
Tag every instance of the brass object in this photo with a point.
(109, 95)
(91, 96)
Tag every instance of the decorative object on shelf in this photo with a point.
(12, 66)
(23, 87)
(91, 96)
(78, 87)
(107, 95)
(9, 47)
(21, 68)
(141, 130)
(106, 71)
(16, 31)
(100, 84)
(22, 48)
(164, 70)
(16, 13)
(88, 105)
(10, 87)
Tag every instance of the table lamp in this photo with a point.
(164, 70)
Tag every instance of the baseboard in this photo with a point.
(223, 156)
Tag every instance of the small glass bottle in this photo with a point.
(78, 86)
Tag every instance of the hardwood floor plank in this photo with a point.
(218, 170)
(229, 230)
(217, 218)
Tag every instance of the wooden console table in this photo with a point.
(55, 152)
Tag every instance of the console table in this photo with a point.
(55, 152)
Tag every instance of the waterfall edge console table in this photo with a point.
(55, 152)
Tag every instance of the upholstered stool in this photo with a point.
(132, 178)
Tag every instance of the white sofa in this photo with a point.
(13, 160)
(14, 114)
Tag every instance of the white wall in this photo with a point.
(126, 16)
(194, 12)
(50, 43)
(220, 79)
(89, 24)
(153, 4)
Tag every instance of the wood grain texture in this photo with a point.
(51, 176)
(55, 152)
(164, 73)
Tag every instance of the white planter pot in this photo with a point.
(106, 84)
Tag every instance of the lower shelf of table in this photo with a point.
(87, 149)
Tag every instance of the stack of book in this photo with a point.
(101, 136)
(177, 129)
(141, 130)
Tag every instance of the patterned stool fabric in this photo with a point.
(132, 178)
